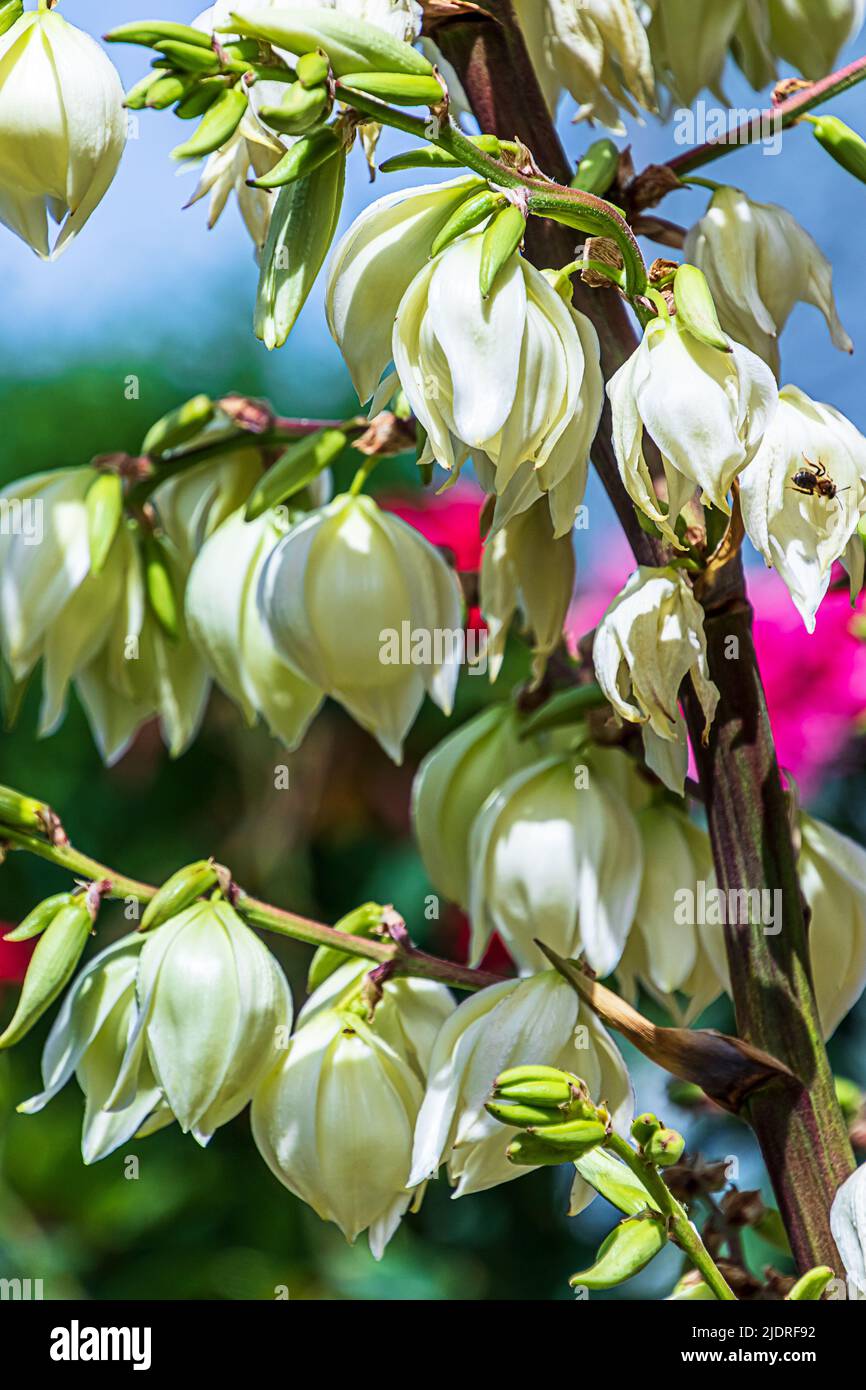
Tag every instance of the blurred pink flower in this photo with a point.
(450, 520)
(14, 957)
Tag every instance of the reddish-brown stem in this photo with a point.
(804, 1141)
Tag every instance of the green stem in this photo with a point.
(402, 957)
(682, 1230)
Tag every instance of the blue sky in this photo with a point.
(144, 269)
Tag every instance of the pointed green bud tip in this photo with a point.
(626, 1251)
(150, 32)
(470, 213)
(217, 126)
(51, 967)
(811, 1286)
(104, 506)
(664, 1148)
(188, 57)
(301, 159)
(313, 68)
(597, 170)
(299, 466)
(644, 1127)
(179, 892)
(178, 426)
(364, 921)
(40, 918)
(501, 240)
(842, 143)
(696, 310)
(556, 1143)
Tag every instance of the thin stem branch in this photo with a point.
(401, 957)
(786, 114)
(683, 1232)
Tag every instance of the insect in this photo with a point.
(815, 481)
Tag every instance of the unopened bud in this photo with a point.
(22, 812)
(300, 465)
(364, 921)
(501, 240)
(305, 155)
(628, 1249)
(534, 1085)
(218, 125)
(312, 68)
(810, 1287)
(664, 1148)
(406, 89)
(178, 426)
(559, 1143)
(842, 143)
(36, 922)
(644, 1127)
(301, 109)
(597, 169)
(154, 31)
(51, 967)
(180, 892)
(352, 45)
(696, 310)
(476, 208)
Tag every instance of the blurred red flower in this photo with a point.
(14, 957)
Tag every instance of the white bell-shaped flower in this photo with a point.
(809, 35)
(666, 954)
(649, 640)
(526, 567)
(62, 128)
(555, 856)
(597, 50)
(373, 266)
(451, 786)
(802, 498)
(832, 870)
(759, 262)
(364, 608)
(540, 1020)
(334, 1118)
(706, 410)
(225, 625)
(689, 41)
(89, 1039)
(513, 379)
(214, 1010)
(848, 1224)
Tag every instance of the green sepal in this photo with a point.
(476, 208)
(104, 507)
(51, 967)
(218, 125)
(179, 892)
(626, 1251)
(363, 921)
(695, 308)
(501, 240)
(40, 918)
(297, 467)
(178, 426)
(597, 169)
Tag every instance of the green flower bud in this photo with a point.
(178, 426)
(476, 209)
(218, 125)
(104, 503)
(597, 168)
(155, 31)
(563, 1143)
(406, 89)
(40, 918)
(51, 967)
(501, 240)
(136, 97)
(520, 1115)
(302, 228)
(810, 1287)
(352, 45)
(302, 158)
(22, 812)
(626, 1251)
(170, 88)
(665, 1147)
(362, 922)
(302, 108)
(199, 99)
(842, 143)
(189, 57)
(180, 892)
(313, 69)
(696, 310)
(644, 1127)
(296, 469)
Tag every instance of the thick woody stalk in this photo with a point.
(801, 1131)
